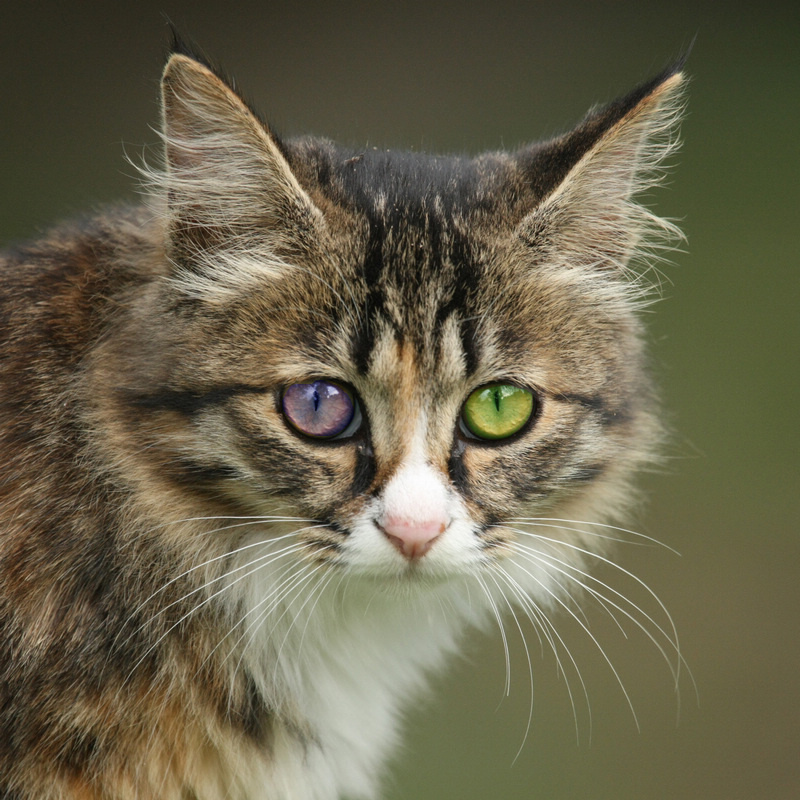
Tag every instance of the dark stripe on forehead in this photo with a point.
(470, 345)
(373, 257)
(466, 275)
(397, 181)
(364, 341)
(433, 262)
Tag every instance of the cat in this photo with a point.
(275, 439)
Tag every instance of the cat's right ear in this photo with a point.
(228, 185)
(588, 181)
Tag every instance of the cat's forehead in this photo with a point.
(423, 257)
(408, 245)
(420, 284)
(403, 189)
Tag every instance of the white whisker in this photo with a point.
(269, 558)
(559, 601)
(256, 520)
(498, 617)
(266, 605)
(671, 638)
(319, 589)
(223, 556)
(527, 656)
(541, 622)
(562, 524)
(297, 613)
(277, 582)
(605, 603)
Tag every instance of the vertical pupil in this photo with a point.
(321, 409)
(497, 411)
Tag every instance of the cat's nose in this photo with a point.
(413, 538)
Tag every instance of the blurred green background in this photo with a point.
(79, 87)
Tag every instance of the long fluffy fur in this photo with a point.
(197, 600)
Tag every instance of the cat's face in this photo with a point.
(410, 353)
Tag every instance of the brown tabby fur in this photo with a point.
(142, 355)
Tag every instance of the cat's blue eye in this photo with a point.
(321, 409)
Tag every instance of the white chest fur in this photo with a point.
(339, 669)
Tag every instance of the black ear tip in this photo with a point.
(177, 44)
(622, 105)
(680, 61)
(676, 66)
(183, 45)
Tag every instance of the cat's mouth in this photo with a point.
(386, 549)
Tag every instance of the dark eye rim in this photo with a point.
(356, 429)
(467, 436)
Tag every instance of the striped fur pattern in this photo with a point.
(196, 600)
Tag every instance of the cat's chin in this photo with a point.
(413, 588)
(410, 575)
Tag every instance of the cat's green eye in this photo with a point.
(497, 411)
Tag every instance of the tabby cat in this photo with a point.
(275, 439)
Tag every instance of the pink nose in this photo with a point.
(413, 538)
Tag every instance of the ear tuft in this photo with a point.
(185, 46)
(227, 185)
(590, 179)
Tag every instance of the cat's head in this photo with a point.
(412, 353)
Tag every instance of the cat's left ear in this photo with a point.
(589, 179)
(229, 187)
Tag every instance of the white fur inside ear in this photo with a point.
(231, 204)
(594, 220)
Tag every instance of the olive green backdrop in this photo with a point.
(78, 87)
